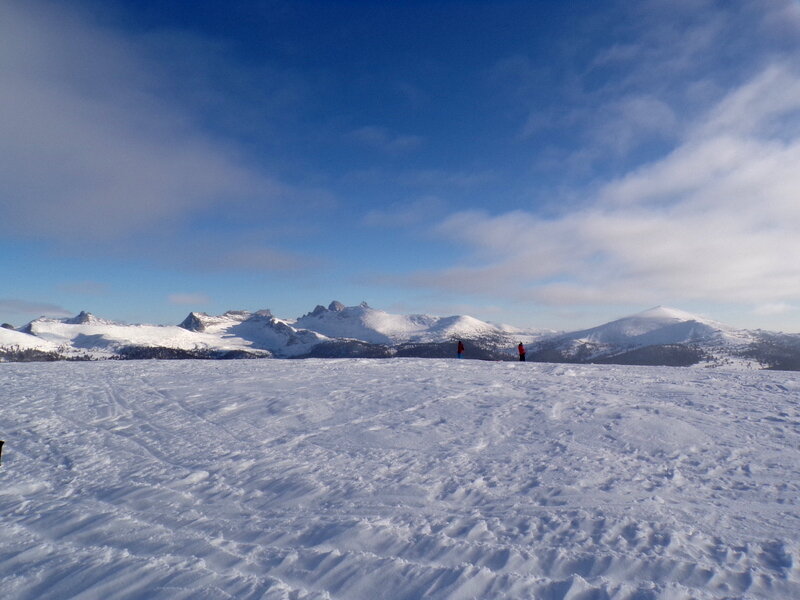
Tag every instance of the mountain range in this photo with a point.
(658, 336)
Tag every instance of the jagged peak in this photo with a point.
(237, 315)
(86, 318)
(334, 307)
(81, 318)
(200, 321)
(194, 321)
(318, 310)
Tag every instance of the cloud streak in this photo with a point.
(716, 219)
(90, 148)
(666, 63)
(385, 140)
(188, 299)
(407, 214)
(25, 307)
(88, 288)
(256, 259)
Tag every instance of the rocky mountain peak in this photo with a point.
(194, 322)
(81, 318)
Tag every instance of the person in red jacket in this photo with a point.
(460, 349)
(521, 350)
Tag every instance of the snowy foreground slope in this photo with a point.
(398, 479)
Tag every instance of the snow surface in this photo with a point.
(398, 479)
(104, 336)
(11, 338)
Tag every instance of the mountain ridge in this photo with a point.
(658, 335)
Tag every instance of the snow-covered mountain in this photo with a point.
(659, 325)
(658, 336)
(254, 330)
(338, 330)
(87, 335)
(375, 326)
(234, 334)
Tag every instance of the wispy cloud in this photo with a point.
(188, 299)
(776, 308)
(26, 307)
(436, 181)
(715, 219)
(256, 258)
(91, 149)
(89, 288)
(385, 140)
(443, 179)
(665, 63)
(414, 212)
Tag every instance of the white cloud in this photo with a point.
(762, 106)
(188, 299)
(631, 120)
(776, 308)
(716, 219)
(664, 63)
(89, 147)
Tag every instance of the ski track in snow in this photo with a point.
(399, 479)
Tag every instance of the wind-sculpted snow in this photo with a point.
(400, 478)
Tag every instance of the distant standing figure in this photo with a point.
(521, 350)
(460, 349)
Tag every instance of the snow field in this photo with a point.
(398, 479)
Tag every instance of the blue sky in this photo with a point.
(545, 164)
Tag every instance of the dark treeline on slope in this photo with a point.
(472, 349)
(348, 349)
(666, 355)
(163, 353)
(16, 354)
(775, 351)
(771, 351)
(358, 349)
(332, 349)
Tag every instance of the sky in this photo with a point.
(543, 164)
